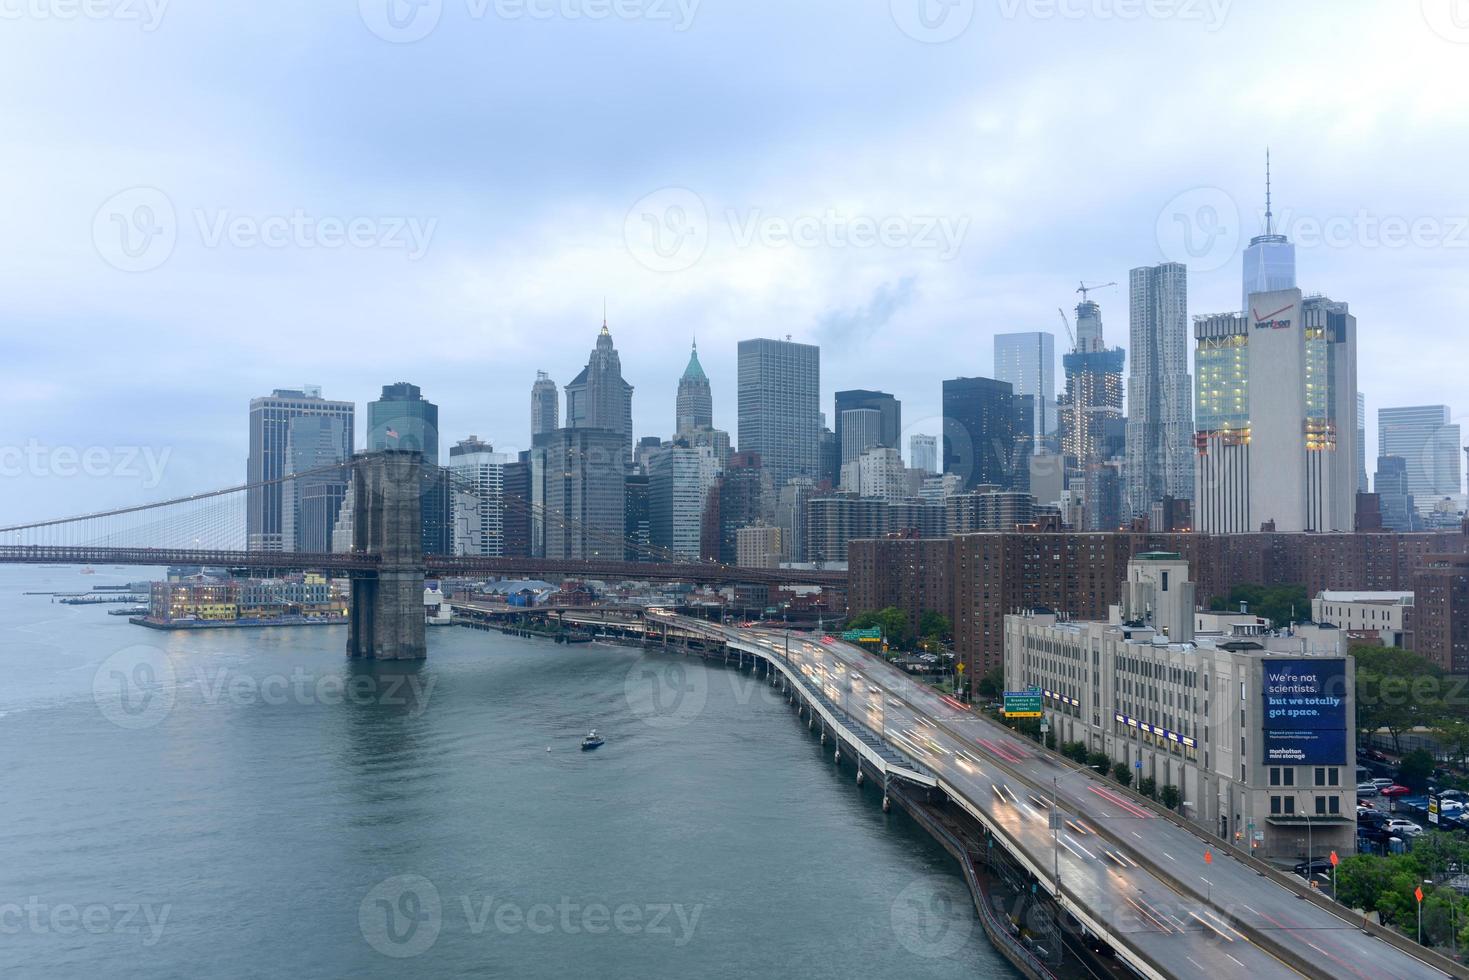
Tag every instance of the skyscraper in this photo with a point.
(679, 480)
(780, 407)
(1160, 411)
(923, 453)
(1429, 444)
(695, 405)
(1270, 260)
(1092, 426)
(1362, 486)
(1395, 500)
(890, 410)
(545, 405)
(577, 494)
(311, 503)
(270, 419)
(1028, 362)
(598, 398)
(979, 432)
(479, 498)
(403, 419)
(1276, 416)
(861, 430)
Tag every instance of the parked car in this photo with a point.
(1395, 790)
(1376, 756)
(1399, 828)
(1380, 782)
(1320, 866)
(1366, 789)
(1453, 794)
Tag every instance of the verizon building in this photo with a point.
(1275, 416)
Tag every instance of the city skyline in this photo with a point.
(521, 257)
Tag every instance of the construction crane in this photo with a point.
(1084, 289)
(1072, 337)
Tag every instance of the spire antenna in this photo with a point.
(1269, 216)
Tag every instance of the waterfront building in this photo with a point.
(577, 487)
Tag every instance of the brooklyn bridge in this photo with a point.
(385, 562)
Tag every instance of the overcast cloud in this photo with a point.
(205, 201)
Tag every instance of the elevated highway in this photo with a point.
(1129, 875)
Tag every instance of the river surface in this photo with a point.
(248, 803)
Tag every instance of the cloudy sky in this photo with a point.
(208, 200)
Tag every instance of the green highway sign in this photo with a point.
(863, 636)
(1023, 704)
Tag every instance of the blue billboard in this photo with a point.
(1305, 712)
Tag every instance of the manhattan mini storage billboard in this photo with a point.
(1305, 712)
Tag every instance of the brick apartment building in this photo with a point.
(1441, 612)
(976, 579)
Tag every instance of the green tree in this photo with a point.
(932, 623)
(1282, 605)
(1170, 797)
(1122, 773)
(1396, 690)
(1148, 786)
(1414, 770)
(893, 622)
(991, 685)
(1098, 761)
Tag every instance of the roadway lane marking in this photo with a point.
(1195, 963)
(1231, 956)
(1250, 910)
(1074, 845)
(1169, 856)
(1209, 925)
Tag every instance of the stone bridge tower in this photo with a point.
(387, 618)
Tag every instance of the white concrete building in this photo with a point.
(1386, 614)
(1275, 414)
(1254, 728)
